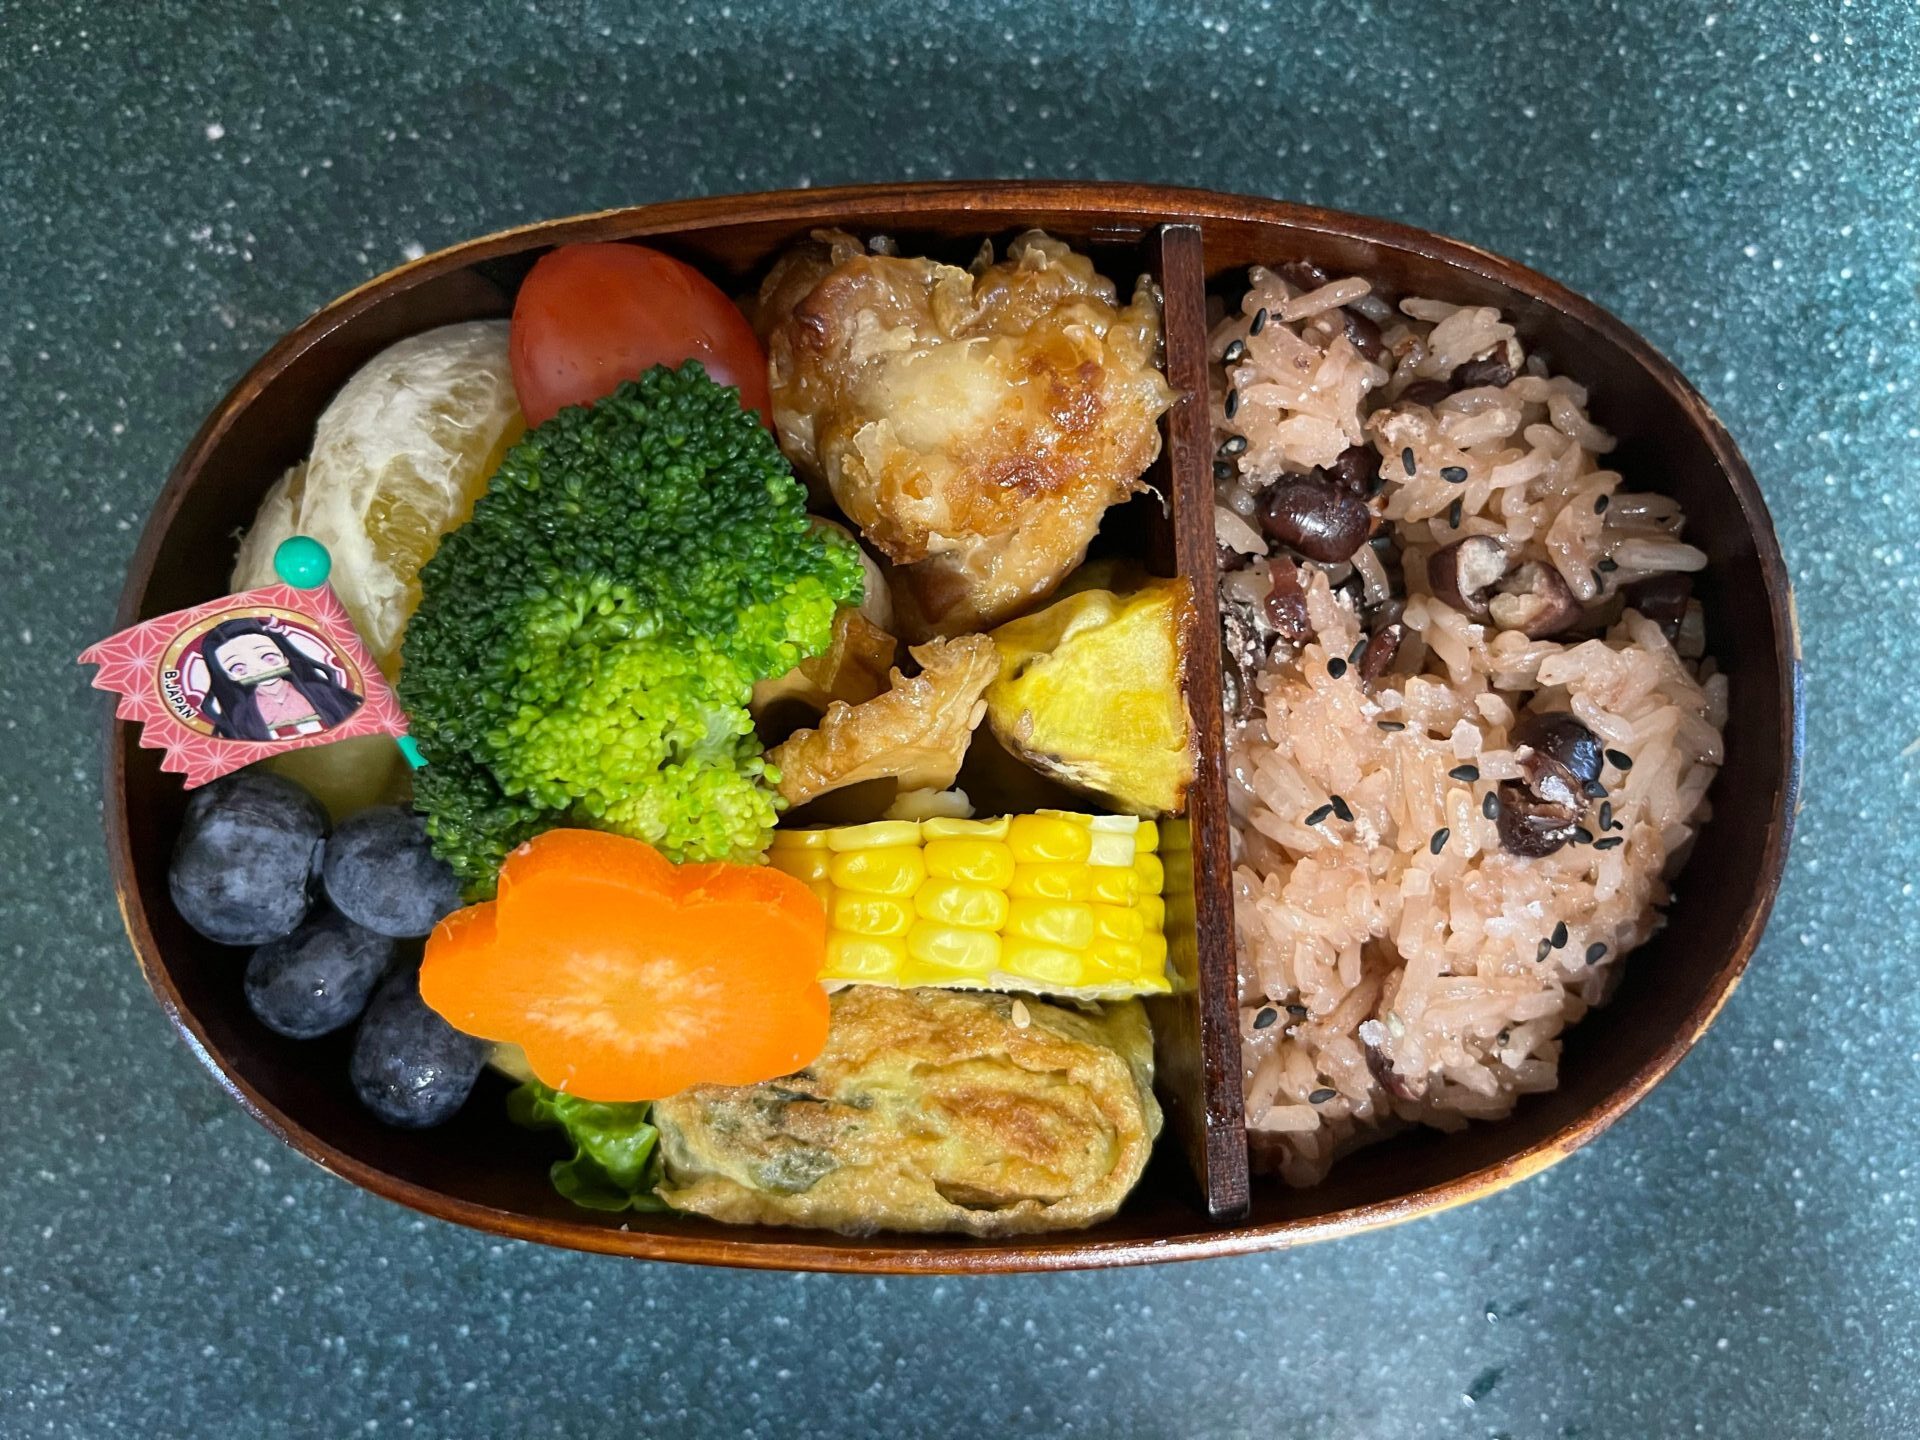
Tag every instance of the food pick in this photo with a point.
(224, 684)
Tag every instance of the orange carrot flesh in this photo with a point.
(625, 977)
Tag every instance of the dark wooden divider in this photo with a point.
(1197, 1029)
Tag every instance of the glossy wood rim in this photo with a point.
(1136, 210)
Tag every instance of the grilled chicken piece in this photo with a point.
(917, 732)
(974, 424)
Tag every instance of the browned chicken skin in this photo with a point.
(974, 425)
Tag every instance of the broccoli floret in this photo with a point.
(586, 644)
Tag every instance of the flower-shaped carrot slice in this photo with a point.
(626, 977)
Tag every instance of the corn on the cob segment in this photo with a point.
(1052, 902)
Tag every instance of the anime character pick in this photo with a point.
(224, 684)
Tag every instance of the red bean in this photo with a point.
(1364, 336)
(1322, 520)
(1424, 392)
(1382, 648)
(1490, 370)
(1462, 573)
(1286, 603)
(1356, 467)
(1529, 826)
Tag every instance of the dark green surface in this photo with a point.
(1735, 1258)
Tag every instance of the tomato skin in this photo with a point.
(591, 316)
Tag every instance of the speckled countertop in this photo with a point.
(1737, 1257)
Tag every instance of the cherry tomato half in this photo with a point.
(590, 316)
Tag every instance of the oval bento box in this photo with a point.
(1197, 1198)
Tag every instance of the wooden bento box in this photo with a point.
(1196, 1198)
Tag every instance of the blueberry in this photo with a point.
(410, 1067)
(318, 978)
(245, 857)
(381, 873)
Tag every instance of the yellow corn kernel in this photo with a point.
(954, 902)
(1061, 880)
(1117, 959)
(1152, 911)
(1154, 948)
(1117, 922)
(949, 950)
(944, 827)
(1146, 839)
(982, 862)
(824, 892)
(872, 915)
(1048, 964)
(1044, 838)
(1111, 885)
(799, 839)
(809, 865)
(1153, 875)
(1112, 837)
(890, 870)
(1052, 922)
(862, 957)
(881, 834)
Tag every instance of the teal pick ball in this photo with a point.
(302, 562)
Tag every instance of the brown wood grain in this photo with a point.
(1197, 1029)
(479, 1171)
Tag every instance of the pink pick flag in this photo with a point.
(238, 679)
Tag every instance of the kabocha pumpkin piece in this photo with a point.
(1090, 693)
(625, 977)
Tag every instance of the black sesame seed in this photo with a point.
(1336, 667)
(1593, 789)
(1468, 773)
(1266, 1017)
(1390, 726)
(1606, 815)
(1439, 840)
(1608, 565)
(1259, 321)
(1234, 445)
(1321, 1096)
(1233, 403)
(1454, 512)
(1340, 809)
(1314, 817)
(1233, 353)
(1223, 470)
(1599, 581)
(1406, 460)
(1560, 936)
(1610, 843)
(1490, 807)
(1298, 1012)
(1594, 952)
(1581, 835)
(1454, 474)
(1600, 503)
(1359, 649)
(1620, 760)
(1546, 949)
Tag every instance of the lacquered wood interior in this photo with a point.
(480, 1171)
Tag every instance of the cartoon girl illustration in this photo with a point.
(260, 687)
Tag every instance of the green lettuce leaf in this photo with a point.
(616, 1158)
